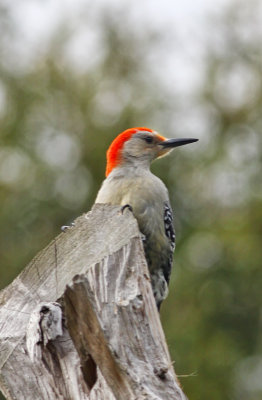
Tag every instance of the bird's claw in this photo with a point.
(65, 227)
(143, 237)
(126, 206)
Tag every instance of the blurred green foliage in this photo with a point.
(55, 126)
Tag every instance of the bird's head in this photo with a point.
(140, 146)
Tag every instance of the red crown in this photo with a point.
(113, 154)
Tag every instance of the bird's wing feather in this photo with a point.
(169, 228)
(170, 233)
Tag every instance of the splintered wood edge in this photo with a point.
(103, 232)
(111, 313)
(95, 235)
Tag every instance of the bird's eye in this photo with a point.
(149, 139)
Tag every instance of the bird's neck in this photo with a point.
(129, 168)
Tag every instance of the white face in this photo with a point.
(145, 146)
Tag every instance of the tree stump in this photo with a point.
(80, 322)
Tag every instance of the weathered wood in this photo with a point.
(110, 345)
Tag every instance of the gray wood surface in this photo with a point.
(80, 321)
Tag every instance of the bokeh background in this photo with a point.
(75, 73)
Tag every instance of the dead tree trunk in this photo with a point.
(80, 322)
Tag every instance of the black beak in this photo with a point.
(176, 142)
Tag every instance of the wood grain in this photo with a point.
(108, 343)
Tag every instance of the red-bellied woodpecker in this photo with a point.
(130, 182)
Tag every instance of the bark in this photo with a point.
(80, 322)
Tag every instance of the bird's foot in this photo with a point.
(126, 206)
(143, 237)
(65, 227)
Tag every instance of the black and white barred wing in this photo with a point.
(169, 227)
(170, 233)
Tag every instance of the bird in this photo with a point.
(130, 183)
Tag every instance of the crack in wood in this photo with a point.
(111, 346)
